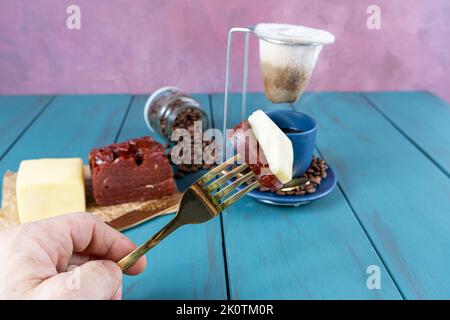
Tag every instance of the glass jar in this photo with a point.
(170, 108)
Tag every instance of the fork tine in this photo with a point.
(235, 197)
(219, 182)
(213, 172)
(232, 186)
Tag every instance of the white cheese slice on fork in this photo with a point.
(277, 147)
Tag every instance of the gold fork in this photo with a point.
(200, 203)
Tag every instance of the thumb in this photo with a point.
(94, 280)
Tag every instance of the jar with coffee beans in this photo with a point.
(170, 108)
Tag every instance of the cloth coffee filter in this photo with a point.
(288, 55)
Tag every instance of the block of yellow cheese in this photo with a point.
(49, 187)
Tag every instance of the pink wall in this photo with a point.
(137, 46)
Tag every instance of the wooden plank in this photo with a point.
(398, 194)
(189, 264)
(17, 113)
(423, 117)
(317, 251)
(69, 127)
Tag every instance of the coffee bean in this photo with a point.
(315, 180)
(310, 190)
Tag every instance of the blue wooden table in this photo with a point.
(390, 211)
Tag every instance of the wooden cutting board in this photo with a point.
(120, 217)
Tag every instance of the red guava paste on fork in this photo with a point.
(241, 136)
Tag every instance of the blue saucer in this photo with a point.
(326, 186)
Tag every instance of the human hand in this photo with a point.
(67, 257)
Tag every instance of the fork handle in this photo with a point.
(132, 257)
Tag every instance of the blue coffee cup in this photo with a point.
(303, 142)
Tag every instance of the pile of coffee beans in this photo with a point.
(186, 168)
(316, 172)
(185, 120)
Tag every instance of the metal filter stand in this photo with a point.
(247, 32)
